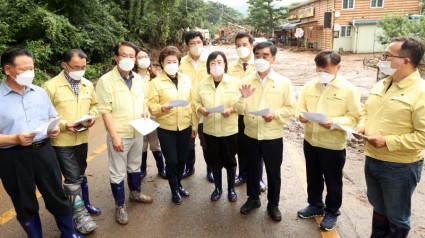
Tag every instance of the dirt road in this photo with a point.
(199, 217)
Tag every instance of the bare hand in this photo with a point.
(359, 130)
(146, 114)
(246, 90)
(377, 141)
(203, 111)
(194, 134)
(90, 122)
(227, 112)
(70, 126)
(25, 138)
(269, 117)
(118, 144)
(327, 124)
(302, 119)
(53, 133)
(166, 109)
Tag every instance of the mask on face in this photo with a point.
(171, 69)
(385, 67)
(261, 65)
(25, 78)
(196, 50)
(217, 70)
(325, 77)
(144, 63)
(243, 52)
(77, 75)
(126, 64)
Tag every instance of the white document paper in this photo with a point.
(261, 112)
(144, 125)
(218, 109)
(178, 103)
(46, 127)
(347, 129)
(83, 119)
(315, 116)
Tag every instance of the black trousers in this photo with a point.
(222, 151)
(73, 162)
(22, 169)
(174, 148)
(272, 153)
(324, 166)
(241, 147)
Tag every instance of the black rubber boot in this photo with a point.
(232, 196)
(216, 194)
(144, 164)
(380, 226)
(160, 163)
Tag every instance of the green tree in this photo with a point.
(264, 15)
(218, 14)
(400, 25)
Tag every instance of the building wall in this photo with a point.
(362, 42)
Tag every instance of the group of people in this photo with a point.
(255, 103)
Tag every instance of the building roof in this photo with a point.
(288, 26)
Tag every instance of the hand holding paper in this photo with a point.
(262, 112)
(218, 109)
(83, 119)
(44, 129)
(315, 116)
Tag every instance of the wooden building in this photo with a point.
(342, 25)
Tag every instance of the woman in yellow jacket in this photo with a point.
(148, 72)
(175, 130)
(220, 129)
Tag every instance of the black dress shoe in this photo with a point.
(250, 205)
(274, 212)
(263, 186)
(240, 181)
(188, 172)
(183, 192)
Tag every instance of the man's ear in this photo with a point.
(8, 69)
(63, 65)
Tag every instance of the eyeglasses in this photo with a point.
(385, 55)
(76, 68)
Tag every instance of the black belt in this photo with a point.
(34, 145)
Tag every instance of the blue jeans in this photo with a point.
(73, 162)
(390, 187)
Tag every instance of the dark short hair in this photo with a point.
(126, 43)
(167, 51)
(412, 48)
(67, 55)
(213, 56)
(264, 45)
(9, 56)
(327, 57)
(241, 35)
(192, 35)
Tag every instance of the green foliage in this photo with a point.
(218, 14)
(264, 15)
(400, 25)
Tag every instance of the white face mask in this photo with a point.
(261, 65)
(196, 50)
(77, 75)
(385, 67)
(217, 70)
(243, 52)
(171, 69)
(25, 78)
(325, 77)
(144, 63)
(126, 64)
